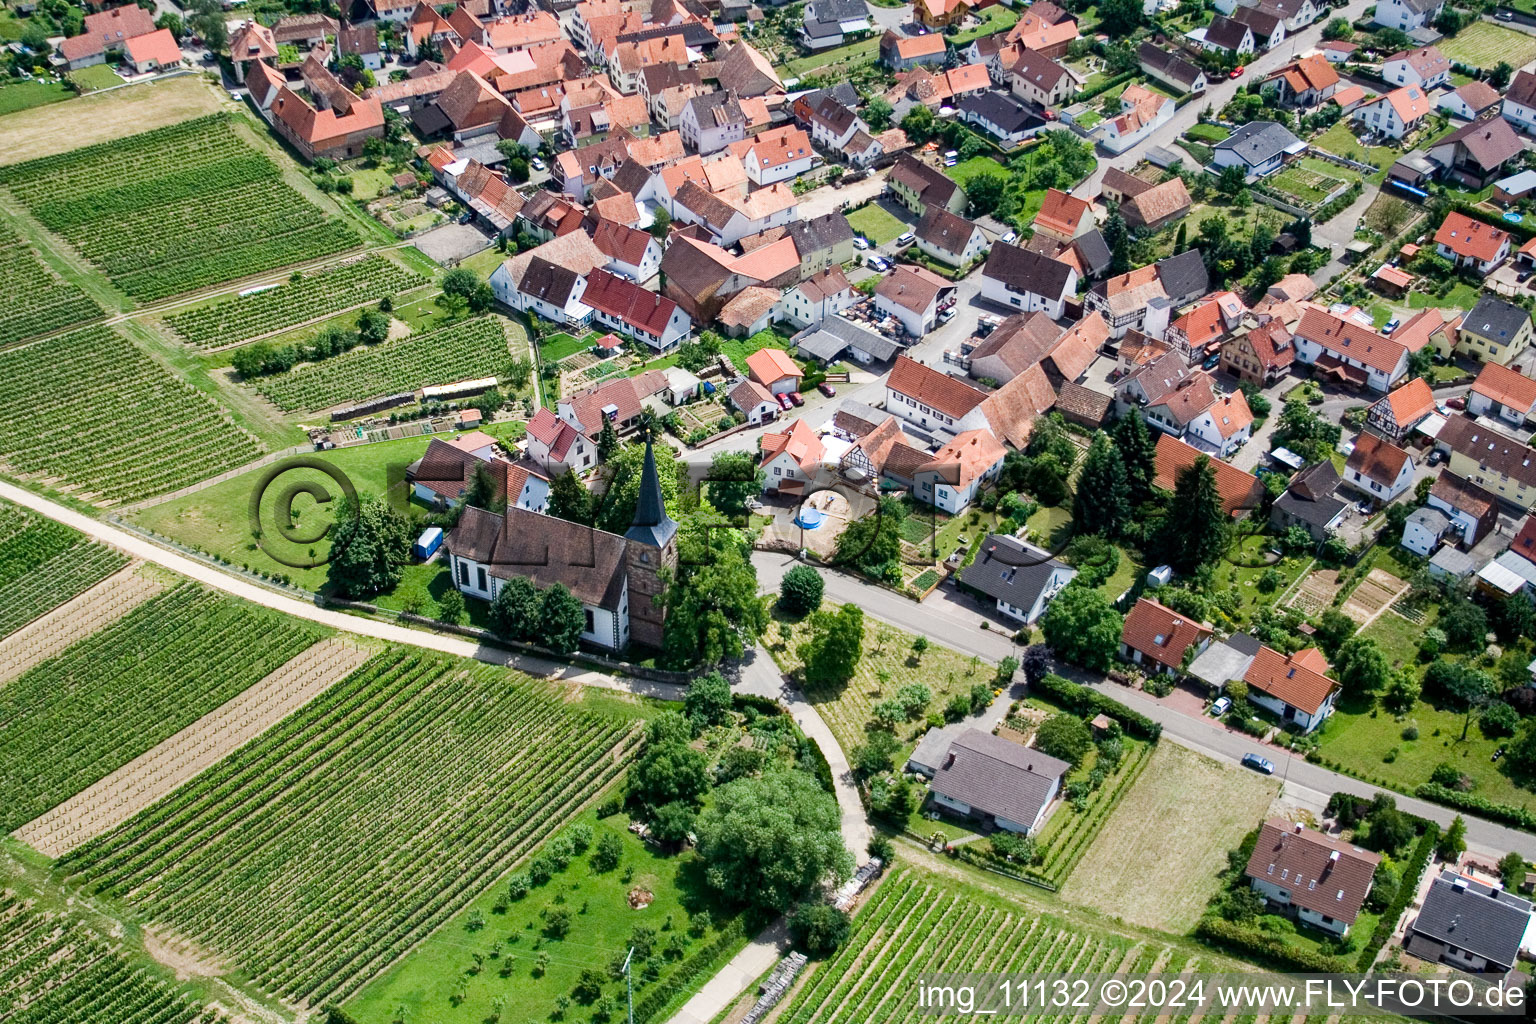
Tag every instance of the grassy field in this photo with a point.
(1461, 296)
(104, 116)
(831, 62)
(1207, 133)
(1340, 141)
(1156, 860)
(20, 96)
(887, 650)
(874, 223)
(496, 966)
(1484, 44)
(216, 519)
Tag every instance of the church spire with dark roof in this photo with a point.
(651, 525)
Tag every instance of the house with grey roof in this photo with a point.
(1170, 69)
(828, 340)
(1003, 784)
(1224, 661)
(1423, 529)
(1468, 925)
(1223, 35)
(1019, 577)
(1258, 147)
(1000, 115)
(1311, 502)
(826, 23)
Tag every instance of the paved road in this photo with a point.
(956, 621)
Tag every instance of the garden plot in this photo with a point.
(1315, 594)
(158, 772)
(92, 611)
(1374, 593)
(1308, 187)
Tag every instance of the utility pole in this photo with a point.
(629, 983)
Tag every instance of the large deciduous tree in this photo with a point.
(370, 546)
(1082, 627)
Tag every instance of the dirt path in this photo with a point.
(157, 772)
(74, 620)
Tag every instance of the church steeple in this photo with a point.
(652, 525)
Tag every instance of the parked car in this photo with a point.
(1504, 16)
(1259, 764)
(906, 239)
(1237, 72)
(952, 154)
(827, 389)
(1222, 706)
(1009, 237)
(537, 164)
(235, 96)
(795, 397)
(1211, 362)
(1436, 457)
(950, 161)
(1456, 403)
(1392, 325)
(784, 402)
(879, 263)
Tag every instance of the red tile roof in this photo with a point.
(1293, 679)
(1160, 633)
(621, 297)
(158, 47)
(1470, 238)
(1377, 459)
(799, 441)
(1239, 491)
(1325, 875)
(949, 395)
(768, 365)
(1345, 337)
(1509, 388)
(1411, 402)
(970, 455)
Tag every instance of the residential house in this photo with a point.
(701, 276)
(1223, 427)
(444, 472)
(548, 215)
(1142, 112)
(915, 296)
(1223, 35)
(1407, 15)
(1268, 28)
(1338, 51)
(948, 238)
(1423, 529)
(1240, 492)
(774, 370)
(729, 218)
(833, 125)
(1297, 14)
(1306, 82)
(754, 402)
(1048, 32)
(1003, 784)
(306, 31)
(1157, 207)
(558, 446)
(1345, 350)
(1503, 393)
(743, 71)
(1292, 686)
(1321, 880)
(1491, 460)
(1170, 69)
(1425, 67)
(828, 23)
(942, 13)
(749, 311)
(902, 54)
(1063, 216)
(1127, 300)
(622, 305)
(916, 185)
(325, 120)
(1478, 153)
(1002, 116)
(1258, 354)
(778, 154)
(549, 279)
(156, 51)
(1519, 106)
(362, 42)
(1160, 639)
(1469, 925)
(1196, 334)
(1397, 114)
(1494, 331)
(250, 43)
(822, 242)
(790, 458)
(711, 122)
(1260, 148)
(1022, 579)
(823, 294)
(1469, 102)
(1040, 80)
(1473, 511)
(631, 253)
(1311, 502)
(951, 479)
(394, 10)
(1395, 414)
(1378, 468)
(934, 402)
(107, 32)
(1016, 278)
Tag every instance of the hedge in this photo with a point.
(1082, 700)
(1507, 814)
(1267, 949)
(1407, 888)
(690, 970)
(1105, 86)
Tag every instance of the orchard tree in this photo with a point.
(1064, 736)
(708, 701)
(819, 928)
(1362, 667)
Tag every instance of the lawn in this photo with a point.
(216, 519)
(25, 95)
(97, 76)
(862, 52)
(1207, 133)
(1089, 119)
(556, 347)
(1340, 141)
(487, 958)
(876, 224)
(996, 18)
(887, 652)
(1156, 860)
(1484, 44)
(1461, 296)
(1050, 526)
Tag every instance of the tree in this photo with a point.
(607, 440)
(1362, 667)
(624, 470)
(1512, 870)
(1338, 28)
(918, 124)
(734, 478)
(1139, 454)
(372, 326)
(562, 619)
(1387, 828)
(569, 498)
(819, 928)
(1103, 500)
(370, 546)
(872, 544)
(172, 21)
(460, 281)
(1500, 75)
(1465, 624)
(1511, 617)
(713, 611)
(768, 841)
(800, 591)
(450, 607)
(1046, 478)
(482, 490)
(661, 224)
(985, 192)
(877, 112)
(514, 611)
(1195, 531)
(1333, 626)
(606, 852)
(668, 772)
(207, 22)
(708, 700)
(1120, 18)
(1064, 736)
(1117, 235)
(1082, 627)
(836, 645)
(877, 753)
(672, 822)
(1231, 180)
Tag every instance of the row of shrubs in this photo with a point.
(1507, 814)
(1270, 950)
(1081, 700)
(1407, 888)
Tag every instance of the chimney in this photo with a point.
(1298, 828)
(949, 761)
(1333, 857)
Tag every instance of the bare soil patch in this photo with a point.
(1316, 592)
(99, 117)
(181, 956)
(158, 772)
(1372, 595)
(74, 620)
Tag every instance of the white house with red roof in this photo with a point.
(1348, 351)
(631, 253)
(1471, 243)
(791, 458)
(1425, 67)
(623, 306)
(779, 154)
(1394, 415)
(774, 370)
(1224, 427)
(754, 401)
(445, 471)
(951, 479)
(1503, 393)
(1161, 639)
(1396, 114)
(1293, 686)
(1378, 468)
(156, 51)
(558, 446)
(107, 32)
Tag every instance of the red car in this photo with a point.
(1237, 72)
(784, 402)
(1456, 403)
(794, 396)
(827, 389)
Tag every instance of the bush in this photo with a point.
(1499, 719)
(1507, 814)
(1084, 701)
(819, 928)
(1267, 949)
(1064, 736)
(801, 590)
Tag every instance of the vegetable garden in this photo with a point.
(92, 408)
(75, 718)
(918, 924)
(36, 300)
(43, 564)
(473, 348)
(176, 209)
(55, 968)
(233, 320)
(318, 854)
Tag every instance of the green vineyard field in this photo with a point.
(77, 717)
(43, 564)
(474, 348)
(234, 320)
(315, 856)
(54, 969)
(93, 409)
(35, 299)
(176, 209)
